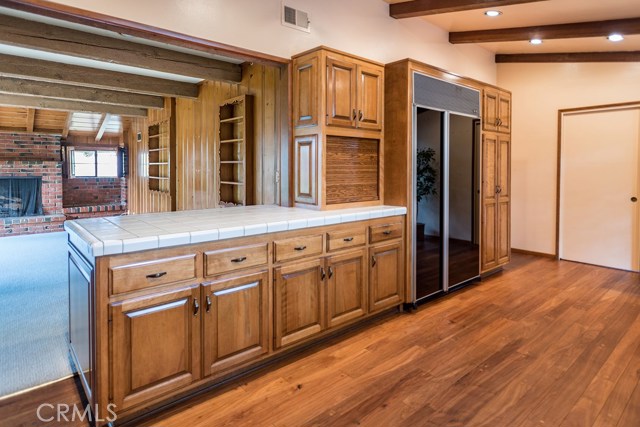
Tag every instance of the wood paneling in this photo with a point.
(197, 137)
(305, 158)
(305, 101)
(352, 169)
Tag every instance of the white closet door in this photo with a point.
(599, 178)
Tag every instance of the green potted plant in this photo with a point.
(426, 176)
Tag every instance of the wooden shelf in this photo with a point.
(232, 119)
(153, 150)
(158, 163)
(159, 177)
(159, 157)
(235, 165)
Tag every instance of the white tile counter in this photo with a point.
(95, 237)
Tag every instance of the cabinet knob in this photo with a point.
(300, 248)
(373, 261)
(196, 307)
(241, 259)
(386, 232)
(208, 304)
(322, 273)
(355, 115)
(330, 272)
(156, 275)
(348, 239)
(361, 116)
(634, 199)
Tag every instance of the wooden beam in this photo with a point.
(131, 28)
(48, 71)
(78, 93)
(65, 105)
(31, 119)
(411, 9)
(104, 122)
(50, 38)
(67, 124)
(548, 32)
(630, 56)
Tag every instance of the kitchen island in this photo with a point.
(164, 305)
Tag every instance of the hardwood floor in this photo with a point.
(544, 343)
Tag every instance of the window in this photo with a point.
(98, 163)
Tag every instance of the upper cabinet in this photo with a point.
(496, 110)
(338, 112)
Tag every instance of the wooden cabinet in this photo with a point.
(386, 278)
(496, 109)
(338, 104)
(168, 322)
(156, 345)
(235, 165)
(496, 201)
(346, 298)
(299, 301)
(236, 321)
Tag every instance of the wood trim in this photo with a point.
(148, 32)
(348, 56)
(16, 86)
(561, 113)
(49, 71)
(629, 56)
(66, 105)
(29, 34)
(540, 254)
(411, 9)
(558, 31)
(31, 117)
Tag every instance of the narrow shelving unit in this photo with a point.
(235, 166)
(159, 158)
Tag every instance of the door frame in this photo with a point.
(561, 114)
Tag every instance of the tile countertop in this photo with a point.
(95, 237)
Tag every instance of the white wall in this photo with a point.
(539, 91)
(361, 27)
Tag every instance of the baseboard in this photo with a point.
(525, 252)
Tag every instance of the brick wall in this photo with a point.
(29, 147)
(93, 191)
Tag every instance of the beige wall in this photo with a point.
(539, 91)
(361, 27)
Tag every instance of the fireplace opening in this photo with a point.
(20, 196)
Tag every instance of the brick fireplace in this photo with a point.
(30, 155)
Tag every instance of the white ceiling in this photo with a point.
(545, 13)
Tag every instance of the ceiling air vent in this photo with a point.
(295, 19)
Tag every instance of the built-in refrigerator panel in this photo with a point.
(446, 221)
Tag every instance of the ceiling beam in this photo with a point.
(136, 29)
(48, 71)
(66, 105)
(548, 32)
(104, 122)
(31, 119)
(629, 56)
(411, 9)
(78, 93)
(67, 124)
(50, 38)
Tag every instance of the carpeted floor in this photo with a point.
(33, 311)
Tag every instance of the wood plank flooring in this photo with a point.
(544, 343)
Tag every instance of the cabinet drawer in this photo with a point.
(345, 239)
(379, 233)
(225, 260)
(145, 274)
(297, 247)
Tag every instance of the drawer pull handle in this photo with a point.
(348, 239)
(300, 248)
(208, 303)
(386, 232)
(330, 272)
(196, 307)
(241, 259)
(156, 275)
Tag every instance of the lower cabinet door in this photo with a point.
(155, 346)
(299, 301)
(236, 321)
(346, 298)
(386, 276)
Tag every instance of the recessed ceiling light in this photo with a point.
(493, 13)
(535, 41)
(615, 37)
